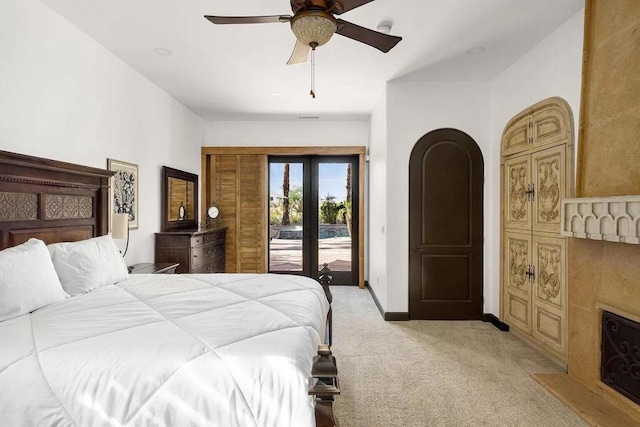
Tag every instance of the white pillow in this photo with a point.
(28, 280)
(88, 264)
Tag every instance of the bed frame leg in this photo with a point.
(324, 386)
(324, 413)
(325, 281)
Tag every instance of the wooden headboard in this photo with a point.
(51, 200)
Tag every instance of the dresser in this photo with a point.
(197, 252)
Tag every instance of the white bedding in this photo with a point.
(166, 350)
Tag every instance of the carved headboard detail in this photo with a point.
(51, 200)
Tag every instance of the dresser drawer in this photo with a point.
(216, 266)
(203, 269)
(203, 254)
(197, 240)
(215, 236)
(205, 239)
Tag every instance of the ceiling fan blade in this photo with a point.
(248, 19)
(342, 6)
(300, 53)
(380, 41)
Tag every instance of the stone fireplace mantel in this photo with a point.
(613, 219)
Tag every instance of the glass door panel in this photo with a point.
(335, 197)
(312, 220)
(286, 208)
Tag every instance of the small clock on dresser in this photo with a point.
(213, 216)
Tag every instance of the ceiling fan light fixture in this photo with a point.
(314, 27)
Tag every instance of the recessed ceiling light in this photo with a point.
(476, 50)
(384, 27)
(162, 51)
(274, 94)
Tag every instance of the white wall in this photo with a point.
(552, 68)
(415, 109)
(287, 133)
(65, 97)
(378, 201)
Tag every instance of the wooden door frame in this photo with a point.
(360, 151)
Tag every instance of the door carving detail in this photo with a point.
(549, 262)
(518, 196)
(549, 189)
(518, 256)
(517, 188)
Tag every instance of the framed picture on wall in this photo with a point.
(123, 190)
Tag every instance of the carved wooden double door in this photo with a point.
(537, 165)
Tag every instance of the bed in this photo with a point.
(218, 349)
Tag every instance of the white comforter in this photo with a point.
(166, 350)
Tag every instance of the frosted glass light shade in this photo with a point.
(313, 27)
(120, 226)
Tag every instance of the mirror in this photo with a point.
(179, 200)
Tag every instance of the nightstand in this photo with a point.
(150, 268)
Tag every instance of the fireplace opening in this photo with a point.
(620, 364)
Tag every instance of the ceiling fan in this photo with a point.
(313, 23)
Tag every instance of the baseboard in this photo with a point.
(387, 316)
(490, 318)
(396, 316)
(375, 298)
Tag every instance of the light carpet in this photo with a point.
(436, 373)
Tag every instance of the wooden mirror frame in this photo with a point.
(187, 224)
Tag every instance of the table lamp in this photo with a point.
(120, 228)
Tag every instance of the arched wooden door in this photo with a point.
(446, 174)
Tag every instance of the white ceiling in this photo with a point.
(229, 71)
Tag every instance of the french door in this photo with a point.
(313, 216)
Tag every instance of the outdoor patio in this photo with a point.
(286, 254)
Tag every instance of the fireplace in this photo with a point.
(620, 361)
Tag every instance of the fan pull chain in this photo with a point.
(313, 71)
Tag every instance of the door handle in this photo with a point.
(416, 249)
(533, 192)
(531, 273)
